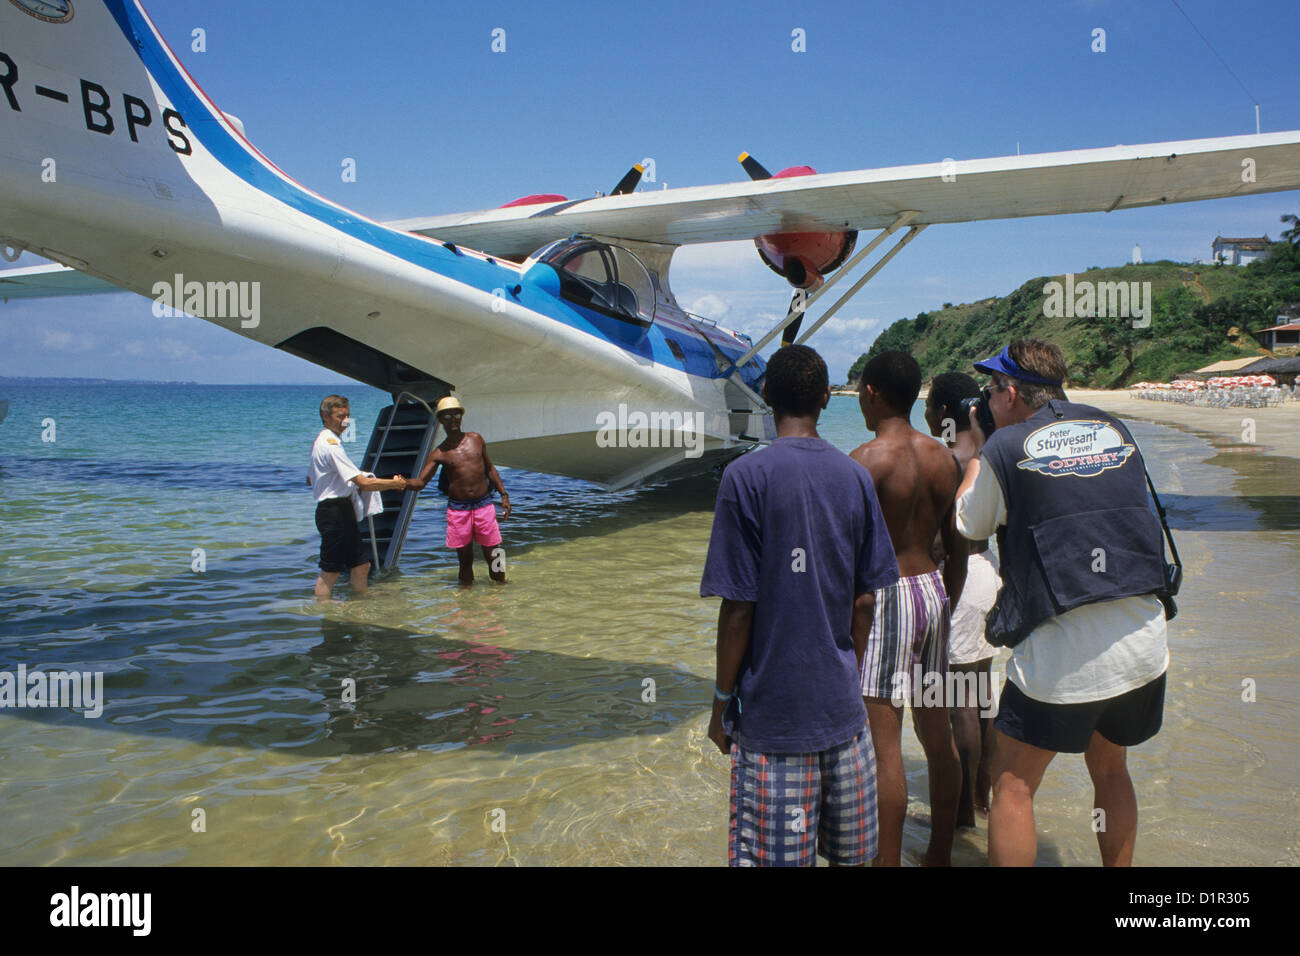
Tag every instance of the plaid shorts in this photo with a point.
(787, 808)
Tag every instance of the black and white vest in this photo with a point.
(1081, 527)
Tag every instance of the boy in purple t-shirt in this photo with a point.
(798, 549)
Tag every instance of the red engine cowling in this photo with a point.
(624, 186)
(535, 199)
(801, 258)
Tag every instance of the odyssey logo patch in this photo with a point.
(1081, 448)
(51, 11)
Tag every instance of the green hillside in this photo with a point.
(1193, 310)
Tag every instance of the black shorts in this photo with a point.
(340, 536)
(1126, 720)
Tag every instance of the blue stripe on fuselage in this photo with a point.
(418, 250)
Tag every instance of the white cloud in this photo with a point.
(850, 325)
(60, 340)
(171, 349)
(717, 256)
(709, 305)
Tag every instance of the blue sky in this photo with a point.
(439, 123)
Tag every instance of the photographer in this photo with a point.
(1082, 562)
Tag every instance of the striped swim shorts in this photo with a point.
(787, 808)
(909, 638)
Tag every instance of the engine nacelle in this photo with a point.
(801, 258)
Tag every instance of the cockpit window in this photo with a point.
(601, 276)
(590, 264)
(635, 288)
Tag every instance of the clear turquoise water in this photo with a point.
(568, 708)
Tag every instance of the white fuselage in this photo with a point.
(186, 195)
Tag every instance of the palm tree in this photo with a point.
(1294, 232)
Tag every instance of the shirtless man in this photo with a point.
(969, 654)
(916, 481)
(467, 472)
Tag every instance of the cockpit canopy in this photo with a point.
(601, 276)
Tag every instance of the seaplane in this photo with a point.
(547, 316)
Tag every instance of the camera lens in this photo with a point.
(983, 414)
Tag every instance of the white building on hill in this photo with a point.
(1239, 252)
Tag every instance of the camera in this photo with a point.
(983, 414)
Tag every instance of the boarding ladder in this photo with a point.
(401, 441)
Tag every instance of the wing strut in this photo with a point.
(901, 220)
(912, 233)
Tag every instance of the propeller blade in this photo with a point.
(629, 180)
(795, 271)
(752, 166)
(791, 331)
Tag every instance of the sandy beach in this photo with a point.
(1277, 429)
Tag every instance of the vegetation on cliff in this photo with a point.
(1198, 314)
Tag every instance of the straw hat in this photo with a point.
(450, 403)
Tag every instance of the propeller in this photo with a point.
(801, 258)
(752, 166)
(629, 181)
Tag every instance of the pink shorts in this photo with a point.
(478, 524)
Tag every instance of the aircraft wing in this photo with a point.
(44, 281)
(1008, 187)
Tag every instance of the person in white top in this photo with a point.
(968, 653)
(334, 481)
(1090, 679)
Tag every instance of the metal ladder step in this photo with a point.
(400, 443)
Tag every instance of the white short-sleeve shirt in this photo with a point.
(1093, 652)
(331, 470)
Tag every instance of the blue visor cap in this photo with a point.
(1004, 364)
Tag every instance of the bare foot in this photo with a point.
(937, 859)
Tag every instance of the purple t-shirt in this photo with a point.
(798, 531)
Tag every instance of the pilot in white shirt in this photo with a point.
(336, 484)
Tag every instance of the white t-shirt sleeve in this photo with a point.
(982, 509)
(342, 463)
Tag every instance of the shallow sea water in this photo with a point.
(557, 720)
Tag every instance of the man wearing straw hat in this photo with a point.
(467, 472)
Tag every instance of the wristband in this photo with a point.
(719, 695)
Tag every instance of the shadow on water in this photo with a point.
(412, 691)
(228, 658)
(1262, 484)
(1232, 512)
(1261, 502)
